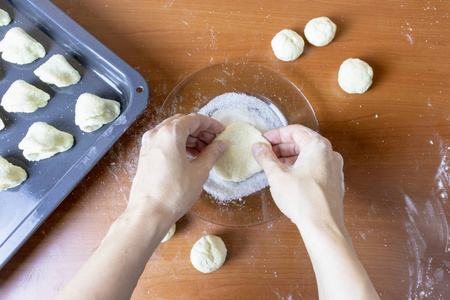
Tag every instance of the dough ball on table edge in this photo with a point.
(92, 112)
(320, 31)
(170, 233)
(24, 97)
(20, 48)
(10, 175)
(43, 141)
(355, 76)
(208, 253)
(5, 19)
(287, 45)
(238, 163)
(57, 71)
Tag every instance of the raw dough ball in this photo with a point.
(43, 141)
(20, 48)
(238, 163)
(10, 175)
(169, 234)
(57, 71)
(355, 76)
(287, 45)
(208, 253)
(2, 125)
(320, 31)
(24, 97)
(91, 112)
(5, 19)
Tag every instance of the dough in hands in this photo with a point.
(238, 163)
(24, 97)
(92, 112)
(208, 253)
(355, 76)
(320, 31)
(5, 19)
(287, 45)
(20, 48)
(10, 175)
(170, 233)
(43, 141)
(57, 71)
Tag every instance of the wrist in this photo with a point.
(143, 223)
(315, 231)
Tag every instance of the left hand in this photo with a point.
(167, 182)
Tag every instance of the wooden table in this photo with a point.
(395, 140)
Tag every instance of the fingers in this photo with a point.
(266, 158)
(208, 157)
(193, 124)
(285, 150)
(297, 134)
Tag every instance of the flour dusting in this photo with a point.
(424, 271)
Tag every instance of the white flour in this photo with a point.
(233, 107)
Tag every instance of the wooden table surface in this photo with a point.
(395, 140)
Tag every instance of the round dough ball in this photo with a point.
(208, 253)
(355, 76)
(320, 31)
(287, 45)
(169, 234)
(238, 163)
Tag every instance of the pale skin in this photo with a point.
(306, 182)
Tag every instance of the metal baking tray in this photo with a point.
(24, 208)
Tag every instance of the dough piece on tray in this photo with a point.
(43, 141)
(10, 175)
(57, 71)
(2, 125)
(92, 112)
(169, 234)
(238, 163)
(24, 97)
(5, 19)
(208, 253)
(20, 48)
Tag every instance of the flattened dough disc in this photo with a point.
(237, 163)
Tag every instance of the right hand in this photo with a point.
(305, 175)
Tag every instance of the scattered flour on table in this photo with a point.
(425, 269)
(237, 107)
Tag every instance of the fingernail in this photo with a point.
(256, 148)
(222, 146)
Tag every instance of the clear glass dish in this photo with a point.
(278, 92)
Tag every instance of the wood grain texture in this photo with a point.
(395, 140)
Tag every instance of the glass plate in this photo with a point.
(199, 88)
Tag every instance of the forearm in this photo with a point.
(339, 273)
(114, 269)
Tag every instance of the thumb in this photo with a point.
(210, 155)
(265, 157)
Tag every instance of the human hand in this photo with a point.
(304, 174)
(166, 181)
